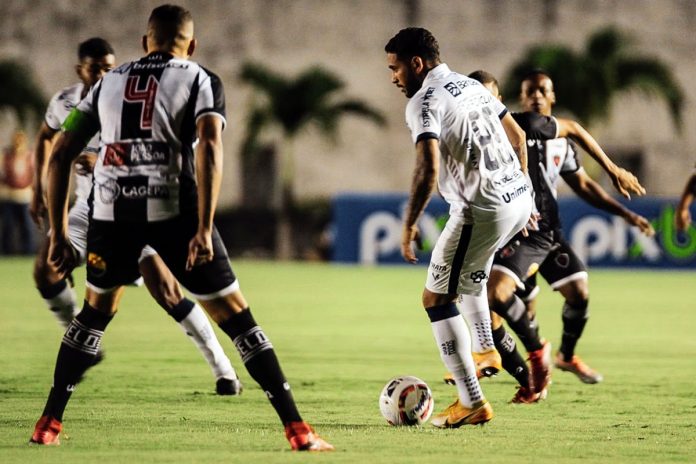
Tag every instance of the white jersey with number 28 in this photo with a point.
(479, 171)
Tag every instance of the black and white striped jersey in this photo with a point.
(146, 111)
(549, 158)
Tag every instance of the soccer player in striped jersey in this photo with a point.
(156, 182)
(552, 156)
(460, 133)
(96, 58)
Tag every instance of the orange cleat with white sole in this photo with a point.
(46, 432)
(303, 438)
(457, 415)
(584, 372)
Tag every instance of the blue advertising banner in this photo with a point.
(368, 231)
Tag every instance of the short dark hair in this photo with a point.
(484, 77)
(96, 47)
(535, 72)
(165, 22)
(414, 41)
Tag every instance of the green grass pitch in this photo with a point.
(341, 332)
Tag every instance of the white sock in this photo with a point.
(478, 317)
(454, 342)
(64, 306)
(197, 326)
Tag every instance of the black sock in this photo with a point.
(76, 354)
(53, 290)
(261, 362)
(513, 363)
(181, 309)
(574, 320)
(515, 314)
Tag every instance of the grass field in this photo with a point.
(341, 333)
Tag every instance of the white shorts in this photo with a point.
(78, 223)
(463, 255)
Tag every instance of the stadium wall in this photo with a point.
(348, 37)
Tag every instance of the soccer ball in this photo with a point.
(406, 400)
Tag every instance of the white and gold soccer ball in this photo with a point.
(406, 400)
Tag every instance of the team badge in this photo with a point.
(97, 263)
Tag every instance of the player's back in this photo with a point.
(147, 111)
(479, 170)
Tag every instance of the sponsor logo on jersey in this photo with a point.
(511, 195)
(136, 154)
(452, 88)
(108, 191)
(425, 106)
(134, 192)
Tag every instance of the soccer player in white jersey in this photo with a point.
(96, 58)
(156, 182)
(460, 135)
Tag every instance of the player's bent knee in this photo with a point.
(500, 288)
(166, 294)
(431, 299)
(221, 308)
(576, 292)
(105, 302)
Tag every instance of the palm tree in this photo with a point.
(19, 93)
(586, 82)
(291, 105)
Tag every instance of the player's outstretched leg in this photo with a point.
(55, 291)
(196, 325)
(515, 365)
(454, 342)
(77, 353)
(165, 289)
(260, 360)
(478, 317)
(574, 320)
(510, 307)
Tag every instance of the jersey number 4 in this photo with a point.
(146, 97)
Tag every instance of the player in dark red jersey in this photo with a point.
(156, 182)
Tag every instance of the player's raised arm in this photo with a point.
(77, 130)
(208, 177)
(594, 194)
(624, 181)
(682, 217)
(424, 179)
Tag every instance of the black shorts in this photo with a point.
(522, 257)
(114, 249)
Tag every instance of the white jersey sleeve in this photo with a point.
(211, 96)
(61, 104)
(423, 116)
